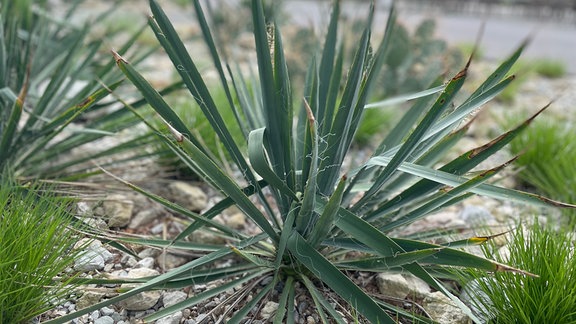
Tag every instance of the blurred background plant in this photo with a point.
(511, 298)
(416, 60)
(526, 69)
(192, 115)
(36, 251)
(55, 80)
(547, 154)
(315, 218)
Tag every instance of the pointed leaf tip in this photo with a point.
(118, 57)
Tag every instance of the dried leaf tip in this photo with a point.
(118, 58)
(309, 112)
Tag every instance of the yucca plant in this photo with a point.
(317, 219)
(51, 72)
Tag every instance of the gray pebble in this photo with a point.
(108, 267)
(147, 262)
(104, 320)
(149, 252)
(118, 317)
(157, 229)
(106, 311)
(170, 298)
(170, 319)
(95, 315)
(129, 261)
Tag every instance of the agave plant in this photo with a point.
(317, 218)
(52, 71)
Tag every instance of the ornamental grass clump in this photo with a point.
(548, 298)
(36, 249)
(317, 220)
(548, 152)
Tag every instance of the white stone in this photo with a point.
(236, 221)
(173, 297)
(269, 310)
(144, 300)
(104, 320)
(144, 217)
(148, 252)
(89, 298)
(147, 262)
(171, 319)
(106, 311)
(188, 196)
(443, 310)
(94, 256)
(118, 210)
(476, 215)
(401, 285)
(168, 261)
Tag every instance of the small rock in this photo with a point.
(94, 257)
(108, 267)
(95, 315)
(89, 298)
(158, 228)
(442, 310)
(129, 261)
(97, 223)
(236, 221)
(401, 285)
(170, 319)
(269, 310)
(106, 311)
(168, 261)
(144, 217)
(118, 210)
(147, 262)
(148, 252)
(144, 300)
(476, 215)
(104, 320)
(173, 297)
(188, 196)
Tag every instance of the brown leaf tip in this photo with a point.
(118, 57)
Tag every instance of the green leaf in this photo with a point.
(325, 223)
(284, 302)
(257, 156)
(321, 302)
(387, 263)
(439, 107)
(307, 216)
(331, 276)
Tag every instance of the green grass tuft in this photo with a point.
(35, 247)
(549, 68)
(517, 298)
(548, 152)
